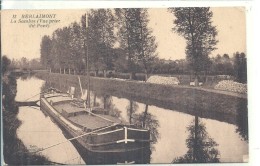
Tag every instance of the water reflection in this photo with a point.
(38, 131)
(201, 147)
(134, 115)
(108, 104)
(131, 109)
(141, 156)
(242, 120)
(25, 77)
(9, 91)
(150, 122)
(15, 152)
(173, 131)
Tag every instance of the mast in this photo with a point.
(87, 61)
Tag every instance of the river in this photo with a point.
(172, 131)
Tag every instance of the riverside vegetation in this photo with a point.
(15, 152)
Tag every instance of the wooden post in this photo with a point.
(64, 72)
(105, 73)
(60, 70)
(69, 70)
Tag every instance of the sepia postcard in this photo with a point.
(119, 84)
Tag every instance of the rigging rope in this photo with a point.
(33, 96)
(75, 138)
(40, 93)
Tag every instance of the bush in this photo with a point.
(100, 74)
(123, 75)
(140, 77)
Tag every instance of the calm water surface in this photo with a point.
(38, 130)
(170, 129)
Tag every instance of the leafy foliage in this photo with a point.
(240, 67)
(5, 62)
(136, 38)
(101, 38)
(195, 25)
(46, 45)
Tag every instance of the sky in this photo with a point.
(19, 40)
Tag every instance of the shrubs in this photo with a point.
(232, 86)
(140, 77)
(163, 80)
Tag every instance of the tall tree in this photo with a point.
(60, 51)
(195, 25)
(101, 38)
(145, 41)
(240, 67)
(76, 45)
(46, 46)
(126, 25)
(136, 37)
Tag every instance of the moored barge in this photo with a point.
(102, 138)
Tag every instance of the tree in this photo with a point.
(101, 38)
(136, 38)
(54, 60)
(25, 63)
(76, 45)
(195, 25)
(222, 65)
(46, 45)
(35, 64)
(126, 25)
(145, 41)
(60, 52)
(120, 62)
(240, 67)
(5, 64)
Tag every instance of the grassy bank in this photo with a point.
(194, 101)
(15, 152)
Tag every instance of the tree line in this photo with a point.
(25, 64)
(121, 40)
(128, 28)
(225, 64)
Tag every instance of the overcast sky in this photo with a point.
(18, 40)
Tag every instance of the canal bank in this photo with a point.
(222, 106)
